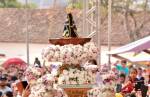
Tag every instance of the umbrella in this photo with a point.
(14, 61)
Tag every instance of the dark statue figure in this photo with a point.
(70, 29)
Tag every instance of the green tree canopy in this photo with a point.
(14, 4)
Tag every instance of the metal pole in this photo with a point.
(92, 18)
(27, 33)
(54, 3)
(109, 30)
(84, 16)
(98, 30)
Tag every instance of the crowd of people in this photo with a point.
(8, 78)
(130, 81)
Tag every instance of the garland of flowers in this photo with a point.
(70, 54)
(106, 89)
(41, 84)
(76, 76)
(33, 73)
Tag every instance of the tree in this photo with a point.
(9, 3)
(14, 4)
(75, 4)
(129, 10)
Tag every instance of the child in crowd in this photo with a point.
(128, 87)
(121, 83)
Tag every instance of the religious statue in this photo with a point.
(70, 29)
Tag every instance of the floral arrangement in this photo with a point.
(47, 79)
(70, 54)
(33, 73)
(75, 76)
(43, 87)
(40, 90)
(105, 90)
(41, 84)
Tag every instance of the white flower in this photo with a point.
(65, 72)
(60, 80)
(71, 54)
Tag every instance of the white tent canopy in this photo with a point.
(137, 46)
(140, 59)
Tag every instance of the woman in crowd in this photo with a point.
(129, 85)
(139, 80)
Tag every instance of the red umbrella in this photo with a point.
(14, 61)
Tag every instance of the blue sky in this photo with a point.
(45, 3)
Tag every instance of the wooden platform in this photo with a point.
(76, 90)
(65, 41)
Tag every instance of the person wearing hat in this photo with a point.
(3, 85)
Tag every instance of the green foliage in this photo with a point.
(78, 4)
(31, 6)
(14, 4)
(9, 3)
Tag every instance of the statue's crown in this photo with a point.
(68, 9)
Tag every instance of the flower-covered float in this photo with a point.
(70, 54)
(73, 52)
(42, 83)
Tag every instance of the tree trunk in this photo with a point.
(74, 1)
(127, 26)
(54, 3)
(126, 22)
(132, 25)
(137, 30)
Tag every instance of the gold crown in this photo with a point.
(68, 9)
